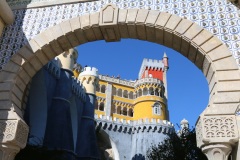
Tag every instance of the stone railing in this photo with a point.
(131, 127)
(116, 80)
(147, 80)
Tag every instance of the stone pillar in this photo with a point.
(8, 152)
(108, 99)
(217, 151)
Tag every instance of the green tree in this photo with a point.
(177, 147)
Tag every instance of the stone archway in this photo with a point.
(200, 46)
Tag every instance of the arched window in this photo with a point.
(98, 88)
(113, 109)
(156, 92)
(114, 92)
(139, 92)
(101, 106)
(119, 110)
(130, 112)
(145, 91)
(125, 94)
(130, 95)
(119, 92)
(162, 92)
(103, 88)
(157, 108)
(151, 92)
(124, 112)
(96, 105)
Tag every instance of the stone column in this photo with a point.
(217, 151)
(108, 99)
(8, 152)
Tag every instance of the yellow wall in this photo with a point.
(142, 106)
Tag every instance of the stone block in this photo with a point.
(36, 63)
(5, 95)
(94, 20)
(162, 19)
(7, 76)
(75, 23)
(206, 64)
(222, 109)
(202, 37)
(17, 92)
(192, 52)
(67, 31)
(228, 86)
(12, 67)
(141, 16)
(131, 18)
(159, 35)
(211, 44)
(141, 31)
(199, 59)
(227, 63)
(29, 69)
(122, 16)
(177, 40)
(212, 83)
(185, 45)
(49, 51)
(33, 46)
(167, 37)
(24, 76)
(194, 30)
(150, 33)
(20, 83)
(6, 86)
(42, 40)
(26, 53)
(220, 52)
(152, 18)
(183, 26)
(173, 22)
(230, 75)
(226, 97)
(140, 23)
(210, 73)
(42, 57)
(86, 27)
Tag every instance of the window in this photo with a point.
(101, 107)
(157, 109)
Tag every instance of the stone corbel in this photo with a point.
(217, 151)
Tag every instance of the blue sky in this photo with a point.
(187, 86)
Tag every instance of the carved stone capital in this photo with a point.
(217, 151)
(14, 132)
(217, 129)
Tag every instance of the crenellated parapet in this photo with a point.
(89, 79)
(151, 82)
(78, 89)
(53, 67)
(132, 127)
(116, 80)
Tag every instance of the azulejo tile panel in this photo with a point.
(220, 17)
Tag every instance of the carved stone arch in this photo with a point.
(197, 44)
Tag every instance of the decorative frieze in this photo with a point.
(217, 129)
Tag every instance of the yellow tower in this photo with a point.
(150, 98)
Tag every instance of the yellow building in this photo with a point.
(143, 98)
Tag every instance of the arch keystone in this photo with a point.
(108, 23)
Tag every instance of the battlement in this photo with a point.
(147, 81)
(53, 67)
(150, 63)
(89, 71)
(78, 89)
(116, 80)
(131, 127)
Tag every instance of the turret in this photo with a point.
(68, 59)
(165, 61)
(89, 79)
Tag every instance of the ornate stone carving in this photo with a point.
(217, 151)
(216, 129)
(108, 23)
(14, 131)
